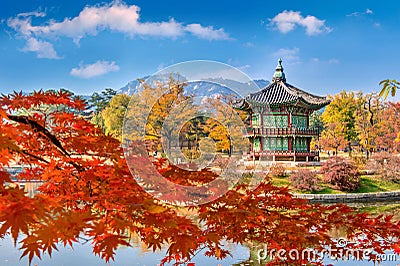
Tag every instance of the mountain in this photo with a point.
(215, 86)
(132, 87)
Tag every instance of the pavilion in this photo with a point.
(278, 120)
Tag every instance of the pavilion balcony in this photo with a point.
(269, 155)
(290, 131)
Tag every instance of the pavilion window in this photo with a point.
(279, 144)
(267, 143)
(272, 144)
(284, 121)
(275, 121)
(255, 120)
(299, 121)
(256, 145)
(285, 144)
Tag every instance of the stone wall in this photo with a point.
(351, 197)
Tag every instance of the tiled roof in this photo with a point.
(280, 92)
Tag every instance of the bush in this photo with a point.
(359, 160)
(387, 165)
(305, 180)
(341, 173)
(277, 170)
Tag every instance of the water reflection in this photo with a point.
(138, 255)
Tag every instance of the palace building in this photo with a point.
(278, 120)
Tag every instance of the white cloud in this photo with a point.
(116, 17)
(377, 24)
(42, 48)
(288, 54)
(248, 44)
(333, 61)
(244, 67)
(287, 21)
(32, 14)
(357, 14)
(208, 33)
(330, 61)
(93, 70)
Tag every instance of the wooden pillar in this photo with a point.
(290, 144)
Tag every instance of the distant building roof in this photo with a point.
(280, 92)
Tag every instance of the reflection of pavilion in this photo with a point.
(279, 120)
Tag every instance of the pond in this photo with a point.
(139, 255)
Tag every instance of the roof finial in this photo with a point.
(279, 75)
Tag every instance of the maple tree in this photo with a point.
(305, 180)
(88, 192)
(341, 173)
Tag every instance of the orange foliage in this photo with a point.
(88, 192)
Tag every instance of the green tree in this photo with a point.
(316, 121)
(99, 102)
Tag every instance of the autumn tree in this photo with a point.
(98, 102)
(387, 165)
(224, 126)
(388, 128)
(333, 137)
(341, 113)
(367, 117)
(160, 107)
(113, 115)
(389, 86)
(305, 180)
(88, 192)
(341, 173)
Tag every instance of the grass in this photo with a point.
(373, 183)
(369, 183)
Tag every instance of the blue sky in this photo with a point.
(326, 46)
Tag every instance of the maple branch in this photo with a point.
(34, 156)
(36, 126)
(39, 128)
(152, 135)
(196, 253)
